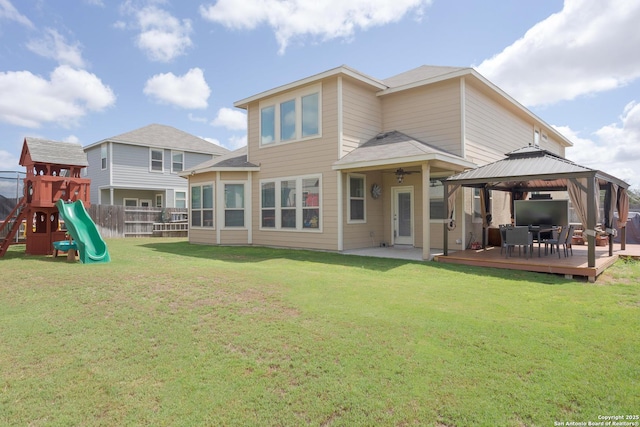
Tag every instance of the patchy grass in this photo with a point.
(175, 334)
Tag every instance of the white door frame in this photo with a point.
(395, 239)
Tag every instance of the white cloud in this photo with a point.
(53, 45)
(588, 47)
(8, 161)
(235, 142)
(189, 91)
(323, 20)
(162, 37)
(29, 100)
(8, 11)
(614, 149)
(231, 119)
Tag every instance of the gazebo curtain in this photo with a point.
(623, 207)
(577, 189)
(451, 200)
(485, 207)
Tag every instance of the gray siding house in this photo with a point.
(141, 167)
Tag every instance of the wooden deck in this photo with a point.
(570, 266)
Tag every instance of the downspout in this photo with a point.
(340, 202)
(248, 207)
(217, 207)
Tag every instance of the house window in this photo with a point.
(288, 120)
(436, 199)
(103, 156)
(297, 118)
(202, 206)
(159, 200)
(310, 203)
(268, 125)
(145, 203)
(477, 205)
(356, 198)
(268, 209)
(310, 115)
(181, 199)
(291, 203)
(156, 160)
(288, 204)
(177, 161)
(130, 203)
(234, 205)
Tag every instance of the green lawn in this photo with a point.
(175, 334)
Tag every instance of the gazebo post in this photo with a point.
(445, 244)
(591, 221)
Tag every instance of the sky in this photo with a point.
(86, 70)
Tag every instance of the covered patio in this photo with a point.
(533, 170)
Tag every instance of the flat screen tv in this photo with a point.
(541, 212)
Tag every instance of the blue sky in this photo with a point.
(86, 70)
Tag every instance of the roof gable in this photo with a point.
(162, 136)
(37, 150)
(234, 160)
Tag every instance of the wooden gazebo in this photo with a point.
(532, 169)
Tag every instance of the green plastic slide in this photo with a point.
(91, 246)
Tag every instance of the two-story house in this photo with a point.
(142, 167)
(341, 160)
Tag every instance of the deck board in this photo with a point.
(573, 265)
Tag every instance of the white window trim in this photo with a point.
(223, 208)
(215, 204)
(299, 208)
(186, 197)
(106, 157)
(151, 150)
(149, 203)
(364, 198)
(276, 102)
(173, 152)
(161, 196)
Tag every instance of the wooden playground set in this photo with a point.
(54, 195)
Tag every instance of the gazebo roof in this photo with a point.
(529, 168)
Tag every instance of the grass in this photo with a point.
(175, 334)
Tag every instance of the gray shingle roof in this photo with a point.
(529, 168)
(395, 146)
(55, 152)
(236, 159)
(162, 136)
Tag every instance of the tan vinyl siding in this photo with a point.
(362, 115)
(430, 114)
(371, 233)
(202, 236)
(234, 237)
(301, 158)
(491, 129)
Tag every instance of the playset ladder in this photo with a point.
(12, 223)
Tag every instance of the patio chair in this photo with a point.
(520, 237)
(503, 230)
(558, 238)
(567, 245)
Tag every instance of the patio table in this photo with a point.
(537, 231)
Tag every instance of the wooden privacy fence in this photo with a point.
(126, 221)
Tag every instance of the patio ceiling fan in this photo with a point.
(400, 173)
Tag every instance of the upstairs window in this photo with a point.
(103, 156)
(177, 161)
(156, 160)
(292, 118)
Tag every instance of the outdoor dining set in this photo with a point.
(524, 236)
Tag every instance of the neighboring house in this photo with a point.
(141, 167)
(341, 160)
